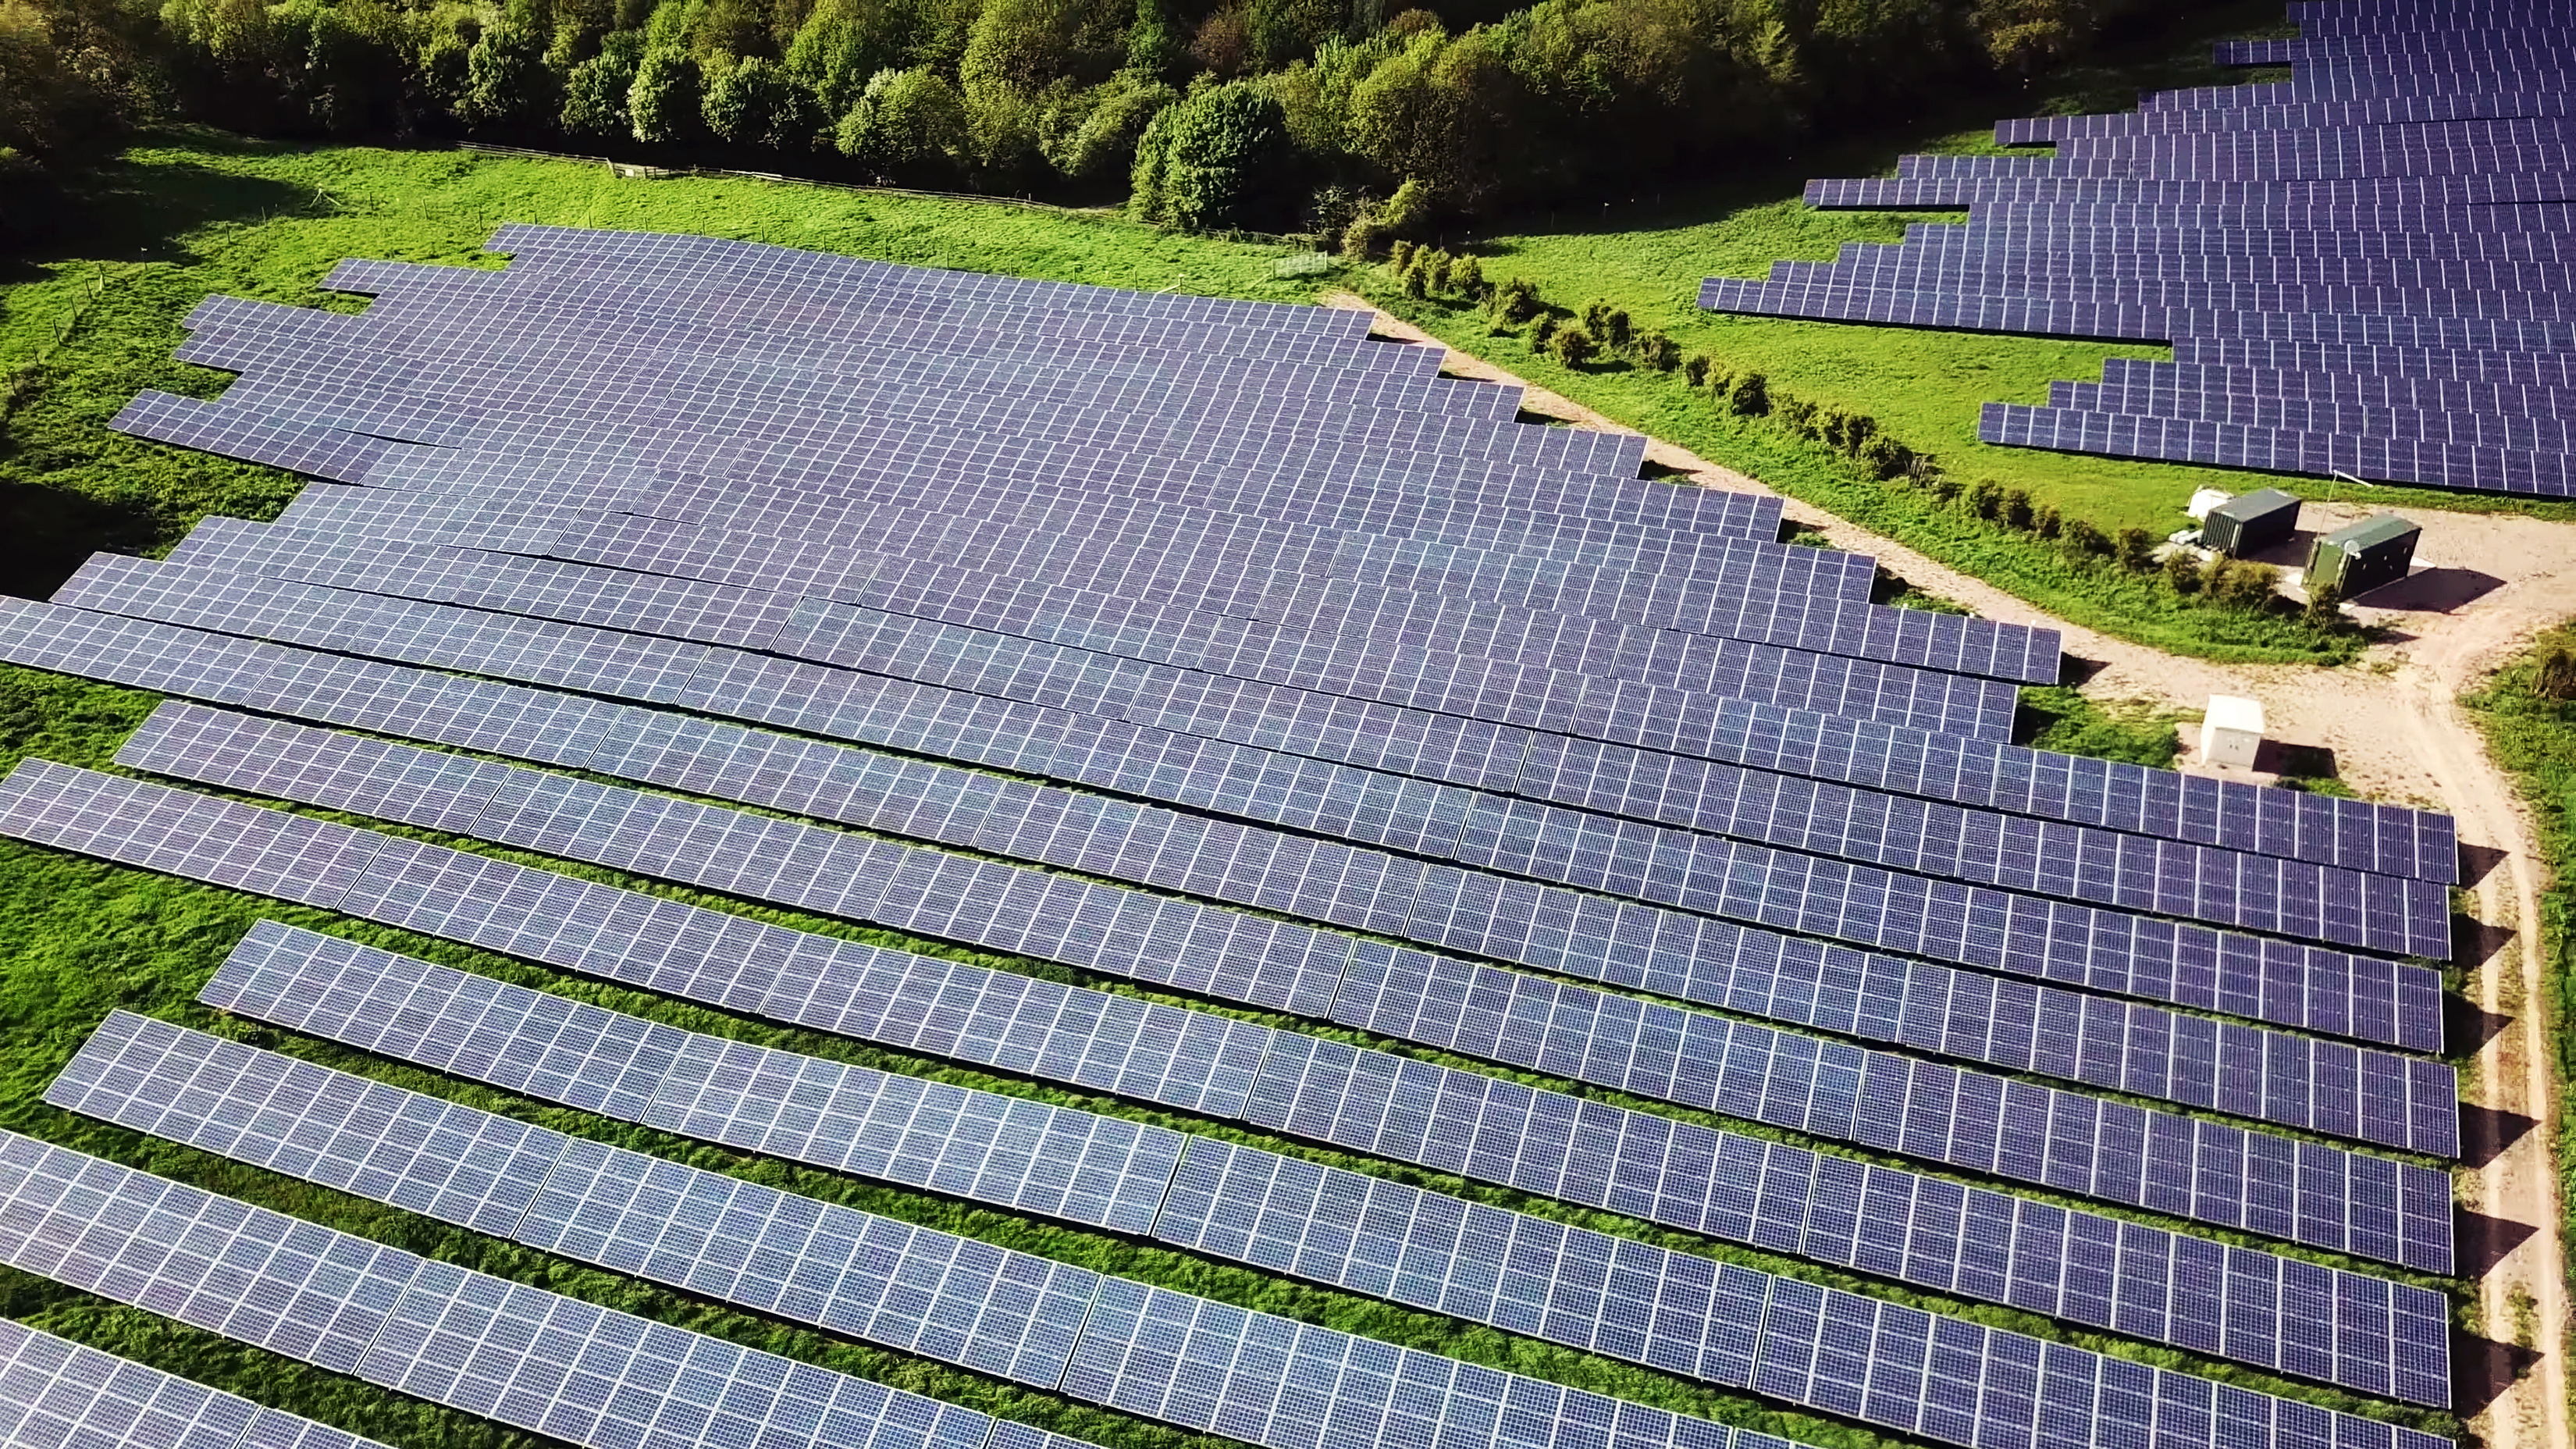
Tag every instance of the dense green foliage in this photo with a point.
(1472, 106)
(85, 329)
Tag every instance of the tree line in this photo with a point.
(1277, 114)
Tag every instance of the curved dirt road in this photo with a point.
(2488, 585)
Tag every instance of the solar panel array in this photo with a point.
(1240, 1202)
(56, 1394)
(1449, 1119)
(558, 1366)
(879, 1280)
(1217, 648)
(2350, 266)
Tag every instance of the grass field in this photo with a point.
(87, 327)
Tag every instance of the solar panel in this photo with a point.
(1362, 1232)
(56, 1394)
(539, 1361)
(1573, 1032)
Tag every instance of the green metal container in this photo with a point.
(2251, 523)
(2364, 555)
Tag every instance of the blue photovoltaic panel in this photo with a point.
(2398, 193)
(553, 1365)
(2350, 1202)
(2382, 1097)
(56, 1394)
(1398, 1242)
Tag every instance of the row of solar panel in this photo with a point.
(1402, 1243)
(2260, 892)
(2554, 371)
(56, 1394)
(2040, 232)
(1572, 646)
(1589, 1035)
(2010, 264)
(1974, 280)
(2373, 194)
(2132, 955)
(2417, 393)
(2281, 115)
(1748, 971)
(2348, 1202)
(2280, 450)
(1003, 1312)
(2069, 317)
(2221, 403)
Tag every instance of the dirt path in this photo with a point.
(2488, 585)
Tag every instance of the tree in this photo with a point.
(1093, 134)
(595, 93)
(507, 85)
(1219, 158)
(663, 106)
(908, 123)
(757, 103)
(1573, 346)
(2137, 550)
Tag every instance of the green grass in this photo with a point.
(84, 328)
(2533, 739)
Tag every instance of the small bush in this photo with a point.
(1888, 458)
(1800, 416)
(2086, 541)
(2137, 550)
(2182, 573)
(1467, 278)
(2047, 522)
(1750, 395)
(1574, 347)
(1986, 498)
(1695, 371)
(2556, 676)
(1659, 352)
(2017, 513)
(1399, 254)
(1516, 301)
(2325, 607)
(1543, 331)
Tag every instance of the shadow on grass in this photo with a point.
(46, 532)
(107, 208)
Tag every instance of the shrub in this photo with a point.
(1986, 498)
(1574, 346)
(1617, 333)
(1695, 370)
(2047, 522)
(1888, 458)
(2086, 541)
(1541, 331)
(1721, 382)
(1417, 277)
(1467, 278)
(2017, 512)
(2182, 573)
(1399, 254)
(2248, 586)
(2325, 611)
(1659, 352)
(1516, 301)
(2137, 550)
(2556, 677)
(1799, 416)
(1596, 317)
(1750, 395)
